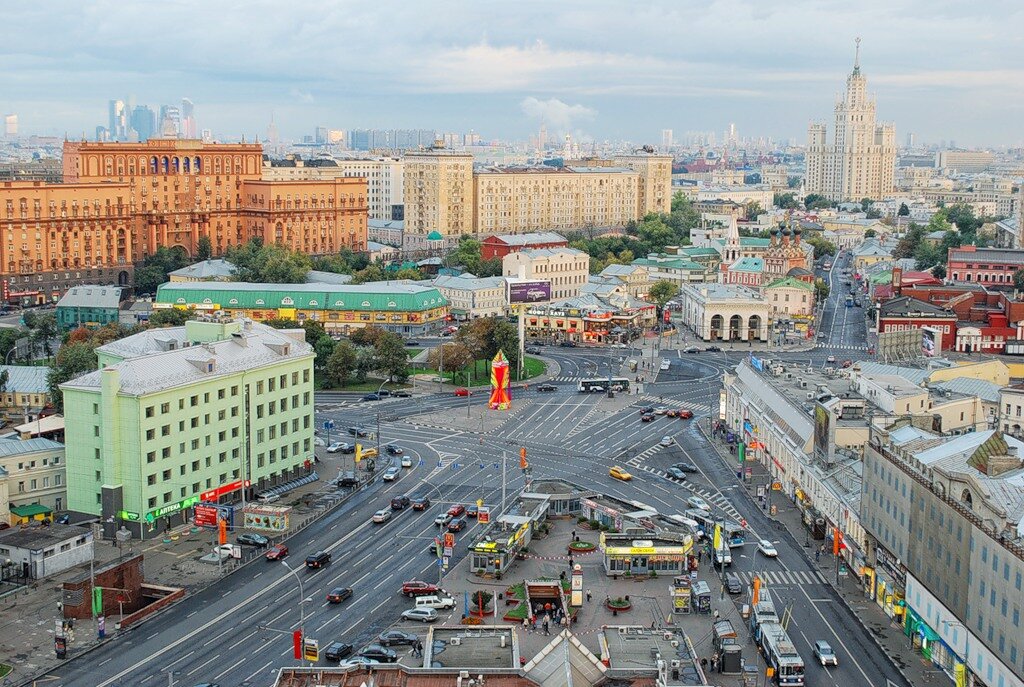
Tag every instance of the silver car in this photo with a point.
(391, 474)
(424, 615)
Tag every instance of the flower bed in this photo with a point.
(517, 614)
(581, 547)
(619, 604)
(471, 620)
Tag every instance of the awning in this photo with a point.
(288, 486)
(30, 510)
(927, 633)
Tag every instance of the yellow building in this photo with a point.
(438, 192)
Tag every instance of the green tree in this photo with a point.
(392, 358)
(680, 201)
(8, 340)
(341, 363)
(72, 360)
(324, 348)
(43, 331)
(822, 246)
(371, 273)
(204, 251)
(408, 273)
(904, 211)
(865, 203)
(655, 232)
(489, 268)
(366, 336)
(268, 264)
(816, 201)
(467, 254)
(927, 255)
(870, 233)
(1018, 280)
(454, 356)
(910, 241)
(366, 363)
(662, 291)
(753, 210)
(156, 267)
(280, 323)
(939, 271)
(821, 290)
(5, 377)
(785, 201)
(170, 317)
(505, 337)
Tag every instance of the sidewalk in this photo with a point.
(887, 634)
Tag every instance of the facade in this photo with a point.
(861, 160)
(384, 177)
(398, 307)
(217, 269)
(176, 413)
(993, 267)
(724, 312)
(566, 268)
(33, 473)
(655, 184)
(789, 297)
(26, 387)
(588, 319)
(964, 161)
(89, 306)
(472, 297)
(739, 196)
(501, 245)
(40, 552)
(438, 192)
(635, 278)
(744, 272)
(678, 269)
(904, 312)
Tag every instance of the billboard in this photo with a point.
(529, 292)
(929, 341)
(270, 518)
(822, 430)
(901, 345)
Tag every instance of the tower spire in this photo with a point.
(856, 58)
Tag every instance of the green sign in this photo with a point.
(171, 508)
(128, 515)
(97, 600)
(741, 452)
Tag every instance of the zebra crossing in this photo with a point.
(673, 403)
(843, 347)
(637, 460)
(713, 498)
(783, 577)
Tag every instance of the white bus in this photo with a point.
(602, 383)
(781, 654)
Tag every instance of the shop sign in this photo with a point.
(645, 550)
(171, 508)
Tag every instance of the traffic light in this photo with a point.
(297, 645)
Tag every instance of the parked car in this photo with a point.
(712, 349)
(277, 552)
(396, 638)
(831, 359)
(666, 441)
(347, 479)
(358, 661)
(339, 594)
(412, 342)
(336, 447)
(391, 474)
(435, 601)
(394, 450)
(379, 654)
(413, 588)
(372, 397)
(532, 350)
(424, 615)
(381, 516)
(619, 473)
(676, 473)
(685, 467)
(732, 583)
(823, 652)
(336, 651)
(251, 539)
(568, 344)
(463, 391)
(318, 560)
(456, 524)
(546, 387)
(401, 393)
(767, 548)
(420, 503)
(399, 502)
(684, 414)
(698, 502)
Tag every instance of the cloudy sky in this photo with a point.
(943, 69)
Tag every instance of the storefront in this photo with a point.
(658, 555)
(496, 549)
(889, 582)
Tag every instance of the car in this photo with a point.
(336, 651)
(712, 349)
(384, 393)
(401, 393)
(691, 349)
(546, 387)
(675, 473)
(456, 510)
(684, 414)
(646, 410)
(381, 516)
(391, 474)
(277, 552)
(412, 342)
(336, 447)
(568, 344)
(267, 499)
(396, 638)
(223, 550)
(424, 615)
(406, 462)
(767, 548)
(250, 539)
(698, 502)
(358, 661)
(443, 519)
(846, 364)
(432, 546)
(317, 560)
(371, 397)
(823, 652)
(647, 417)
(206, 684)
(686, 467)
(347, 479)
(394, 450)
(399, 502)
(821, 337)
(435, 601)
(619, 473)
(346, 447)
(472, 511)
(456, 524)
(413, 588)
(671, 413)
(660, 411)
(830, 359)
(666, 441)
(463, 391)
(358, 431)
(339, 594)
(732, 583)
(379, 653)
(532, 350)
(420, 503)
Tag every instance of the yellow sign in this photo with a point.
(769, 672)
(486, 547)
(479, 503)
(645, 550)
(960, 675)
(310, 649)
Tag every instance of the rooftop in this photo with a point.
(37, 538)
(380, 296)
(747, 265)
(469, 283)
(547, 252)
(26, 379)
(321, 277)
(719, 292)
(207, 269)
(16, 447)
(633, 649)
(91, 297)
(484, 647)
(527, 239)
(973, 253)
(905, 306)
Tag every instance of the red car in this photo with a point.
(847, 363)
(685, 414)
(418, 588)
(462, 391)
(456, 510)
(277, 552)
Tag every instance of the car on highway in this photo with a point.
(456, 524)
(665, 365)
(399, 502)
(732, 583)
(394, 450)
(472, 511)
(336, 651)
(406, 462)
(830, 359)
(646, 410)
(277, 552)
(660, 411)
(767, 548)
(691, 349)
(546, 387)
(685, 467)
(619, 473)
(412, 342)
(250, 539)
(379, 653)
(456, 510)
(396, 638)
(372, 397)
(347, 479)
(339, 594)
(532, 350)
(381, 516)
(463, 391)
(358, 431)
(401, 393)
(823, 652)
(423, 615)
(684, 414)
(666, 441)
(317, 560)
(391, 474)
(675, 473)
(698, 502)
(443, 519)
(647, 417)
(420, 503)
(568, 344)
(712, 349)
(413, 588)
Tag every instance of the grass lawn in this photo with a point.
(5, 670)
(480, 372)
(371, 384)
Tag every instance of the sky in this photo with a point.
(600, 70)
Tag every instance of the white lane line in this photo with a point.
(326, 623)
(228, 670)
(170, 665)
(351, 627)
(191, 614)
(106, 661)
(257, 672)
(839, 639)
(243, 639)
(203, 664)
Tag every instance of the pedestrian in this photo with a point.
(526, 624)
(546, 631)
(817, 556)
(716, 615)
(588, 596)
(574, 535)
(570, 564)
(703, 663)
(721, 594)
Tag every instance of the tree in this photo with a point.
(927, 255)
(904, 211)
(505, 338)
(410, 273)
(392, 358)
(366, 336)
(816, 201)
(341, 363)
(157, 266)
(365, 364)
(170, 317)
(753, 210)
(467, 254)
(72, 360)
(870, 233)
(785, 201)
(822, 246)
(821, 290)
(8, 340)
(865, 203)
(42, 331)
(371, 273)
(5, 377)
(452, 357)
(662, 291)
(204, 251)
(268, 264)
(872, 213)
(324, 348)
(911, 239)
(653, 231)
(489, 268)
(939, 271)
(280, 323)
(1018, 279)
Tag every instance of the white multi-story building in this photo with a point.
(470, 298)
(566, 268)
(384, 179)
(861, 160)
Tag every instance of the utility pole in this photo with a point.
(504, 456)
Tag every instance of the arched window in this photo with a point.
(176, 166)
(187, 165)
(198, 166)
(164, 164)
(967, 499)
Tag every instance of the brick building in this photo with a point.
(903, 313)
(500, 245)
(986, 319)
(993, 267)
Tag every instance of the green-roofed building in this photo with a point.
(679, 269)
(398, 307)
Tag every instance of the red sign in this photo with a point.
(449, 540)
(214, 494)
(206, 516)
(297, 645)
(667, 314)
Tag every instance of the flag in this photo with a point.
(501, 398)
(757, 591)
(522, 459)
(718, 537)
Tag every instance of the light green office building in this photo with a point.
(178, 415)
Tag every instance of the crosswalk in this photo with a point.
(716, 499)
(842, 347)
(783, 577)
(673, 403)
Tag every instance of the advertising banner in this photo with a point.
(529, 292)
(501, 397)
(270, 518)
(206, 516)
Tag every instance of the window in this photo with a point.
(165, 407)
(165, 431)
(150, 411)
(194, 401)
(150, 434)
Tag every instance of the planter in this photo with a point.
(476, 613)
(581, 547)
(472, 620)
(618, 606)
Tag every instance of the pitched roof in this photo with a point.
(374, 296)
(26, 379)
(905, 306)
(620, 270)
(17, 447)
(547, 252)
(790, 283)
(207, 269)
(565, 662)
(799, 272)
(91, 297)
(1007, 255)
(670, 264)
(747, 264)
(527, 239)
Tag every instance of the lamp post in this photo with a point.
(302, 607)
(968, 677)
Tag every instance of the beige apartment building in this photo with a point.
(384, 178)
(31, 473)
(438, 192)
(566, 268)
(655, 183)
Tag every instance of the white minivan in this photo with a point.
(723, 556)
(435, 601)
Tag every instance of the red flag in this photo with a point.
(297, 645)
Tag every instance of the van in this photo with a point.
(723, 556)
(435, 601)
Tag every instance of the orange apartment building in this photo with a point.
(121, 201)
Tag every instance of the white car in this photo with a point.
(698, 502)
(424, 615)
(391, 474)
(383, 515)
(406, 462)
(664, 365)
(666, 441)
(767, 548)
(335, 447)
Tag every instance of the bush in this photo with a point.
(594, 525)
(480, 598)
(472, 620)
(580, 520)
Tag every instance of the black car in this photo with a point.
(336, 651)
(358, 431)
(379, 654)
(401, 393)
(399, 503)
(568, 344)
(384, 393)
(456, 524)
(396, 638)
(318, 560)
(420, 503)
(250, 539)
(410, 342)
(371, 397)
(732, 583)
(686, 467)
(646, 409)
(339, 594)
(393, 449)
(676, 473)
(547, 387)
(348, 479)
(713, 349)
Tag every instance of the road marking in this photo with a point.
(169, 665)
(839, 639)
(352, 627)
(326, 623)
(203, 664)
(257, 672)
(228, 670)
(191, 614)
(106, 661)
(243, 639)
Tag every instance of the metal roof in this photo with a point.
(16, 447)
(26, 379)
(91, 297)
(986, 391)
(1006, 255)
(207, 269)
(527, 239)
(747, 264)
(374, 296)
(791, 283)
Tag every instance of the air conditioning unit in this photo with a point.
(674, 643)
(789, 375)
(676, 663)
(667, 636)
(803, 383)
(464, 674)
(810, 395)
(455, 641)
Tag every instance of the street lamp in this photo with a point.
(968, 676)
(302, 608)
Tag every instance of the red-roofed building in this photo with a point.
(993, 267)
(500, 245)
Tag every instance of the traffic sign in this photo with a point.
(310, 649)
(448, 551)
(328, 424)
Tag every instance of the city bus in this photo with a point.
(601, 384)
(780, 653)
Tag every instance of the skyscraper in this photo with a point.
(666, 139)
(144, 122)
(189, 129)
(170, 122)
(11, 125)
(861, 161)
(117, 121)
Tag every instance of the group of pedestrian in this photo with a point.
(417, 649)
